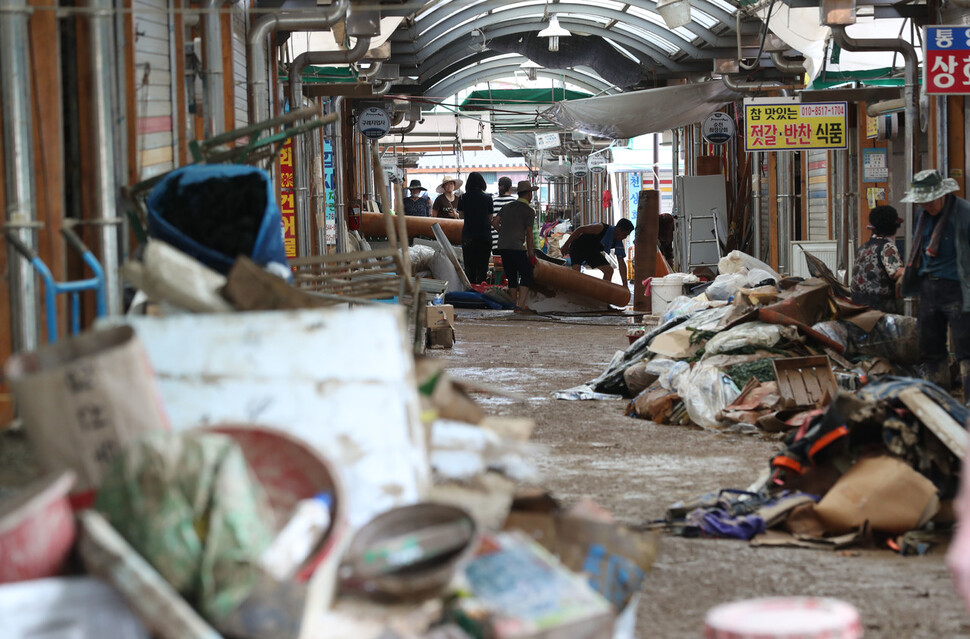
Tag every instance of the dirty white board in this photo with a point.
(342, 380)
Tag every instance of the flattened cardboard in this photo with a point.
(674, 343)
(883, 491)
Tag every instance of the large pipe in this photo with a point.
(257, 69)
(215, 121)
(18, 174)
(374, 225)
(302, 61)
(756, 87)
(404, 130)
(566, 279)
(886, 106)
(785, 65)
(103, 129)
(910, 95)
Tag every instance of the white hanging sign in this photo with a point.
(718, 128)
(374, 123)
(597, 163)
(547, 140)
(580, 167)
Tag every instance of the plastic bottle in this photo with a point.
(298, 538)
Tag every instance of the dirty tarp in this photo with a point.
(627, 115)
(191, 507)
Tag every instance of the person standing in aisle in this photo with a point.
(938, 271)
(515, 244)
(446, 204)
(475, 207)
(416, 204)
(504, 197)
(877, 263)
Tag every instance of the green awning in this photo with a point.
(325, 75)
(485, 100)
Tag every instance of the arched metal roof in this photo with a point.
(435, 43)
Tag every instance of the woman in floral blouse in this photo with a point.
(878, 264)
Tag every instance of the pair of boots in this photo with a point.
(938, 372)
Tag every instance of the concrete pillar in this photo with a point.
(645, 246)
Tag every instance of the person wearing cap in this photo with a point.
(938, 271)
(446, 204)
(877, 263)
(475, 207)
(416, 204)
(516, 245)
(590, 244)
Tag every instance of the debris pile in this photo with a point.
(220, 472)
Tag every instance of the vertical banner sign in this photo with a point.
(287, 206)
(329, 186)
(946, 64)
(634, 196)
(790, 126)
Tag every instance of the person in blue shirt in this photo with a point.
(588, 245)
(938, 271)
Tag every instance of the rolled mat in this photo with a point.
(566, 279)
(373, 225)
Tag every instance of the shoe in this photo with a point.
(523, 311)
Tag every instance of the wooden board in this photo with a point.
(805, 380)
(950, 432)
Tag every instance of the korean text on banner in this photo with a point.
(330, 184)
(789, 126)
(287, 207)
(946, 64)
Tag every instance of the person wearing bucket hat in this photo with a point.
(877, 263)
(416, 204)
(938, 271)
(516, 245)
(446, 204)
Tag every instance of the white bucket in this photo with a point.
(784, 618)
(662, 292)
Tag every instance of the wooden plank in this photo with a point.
(6, 339)
(151, 157)
(157, 124)
(147, 142)
(804, 200)
(951, 433)
(228, 71)
(181, 110)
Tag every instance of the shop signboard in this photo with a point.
(946, 60)
(547, 140)
(597, 164)
(374, 123)
(718, 128)
(791, 126)
(287, 206)
(329, 185)
(579, 167)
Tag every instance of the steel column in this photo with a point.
(215, 108)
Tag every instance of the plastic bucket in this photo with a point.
(784, 618)
(662, 292)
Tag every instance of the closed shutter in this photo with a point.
(818, 195)
(153, 87)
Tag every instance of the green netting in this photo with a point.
(325, 75)
(484, 100)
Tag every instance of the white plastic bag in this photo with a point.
(734, 261)
(757, 334)
(726, 285)
(758, 275)
(706, 391)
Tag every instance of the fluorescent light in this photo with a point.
(554, 32)
(676, 13)
(530, 68)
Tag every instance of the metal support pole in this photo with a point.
(18, 162)
(103, 129)
(942, 133)
(783, 167)
(215, 108)
(838, 208)
(339, 178)
(756, 202)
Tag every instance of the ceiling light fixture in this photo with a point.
(530, 69)
(676, 13)
(554, 32)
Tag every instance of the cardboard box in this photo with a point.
(439, 315)
(441, 337)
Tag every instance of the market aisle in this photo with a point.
(636, 469)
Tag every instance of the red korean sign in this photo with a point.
(946, 61)
(287, 205)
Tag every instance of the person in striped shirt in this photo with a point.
(504, 197)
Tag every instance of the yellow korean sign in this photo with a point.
(789, 126)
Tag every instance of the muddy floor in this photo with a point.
(637, 468)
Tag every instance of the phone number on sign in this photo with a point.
(822, 110)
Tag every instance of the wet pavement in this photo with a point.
(637, 469)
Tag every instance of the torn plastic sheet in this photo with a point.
(583, 392)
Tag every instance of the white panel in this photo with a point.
(240, 104)
(700, 195)
(827, 251)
